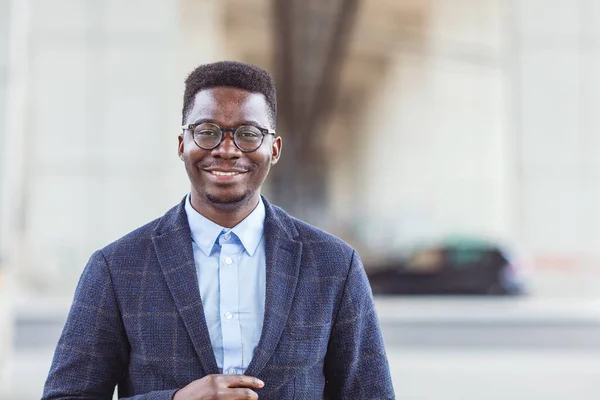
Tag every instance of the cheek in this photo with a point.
(264, 162)
(185, 156)
(193, 153)
(263, 170)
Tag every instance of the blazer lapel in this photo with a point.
(283, 255)
(173, 245)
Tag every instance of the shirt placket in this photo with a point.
(229, 305)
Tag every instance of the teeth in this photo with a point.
(220, 173)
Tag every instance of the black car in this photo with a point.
(454, 267)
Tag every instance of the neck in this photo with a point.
(225, 215)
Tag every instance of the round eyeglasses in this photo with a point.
(208, 136)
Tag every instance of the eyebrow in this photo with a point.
(212, 121)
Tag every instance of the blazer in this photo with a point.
(137, 320)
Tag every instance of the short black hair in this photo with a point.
(233, 74)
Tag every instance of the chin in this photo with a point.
(229, 199)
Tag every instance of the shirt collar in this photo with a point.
(250, 229)
(205, 232)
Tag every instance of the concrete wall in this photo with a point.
(491, 129)
(103, 115)
(557, 49)
(436, 151)
(5, 296)
(4, 44)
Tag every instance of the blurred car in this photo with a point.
(455, 266)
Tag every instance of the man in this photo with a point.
(226, 296)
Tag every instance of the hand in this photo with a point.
(226, 387)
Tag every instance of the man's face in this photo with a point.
(228, 108)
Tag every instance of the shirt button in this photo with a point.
(228, 315)
(228, 261)
(232, 371)
(227, 236)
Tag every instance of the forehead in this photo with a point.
(229, 106)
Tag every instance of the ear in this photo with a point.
(180, 146)
(276, 147)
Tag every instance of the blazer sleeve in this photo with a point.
(93, 352)
(356, 366)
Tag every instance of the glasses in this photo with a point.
(208, 136)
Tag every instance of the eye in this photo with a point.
(248, 132)
(206, 132)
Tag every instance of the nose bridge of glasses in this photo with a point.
(225, 136)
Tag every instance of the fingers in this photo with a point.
(242, 393)
(243, 381)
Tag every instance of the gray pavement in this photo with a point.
(494, 374)
(439, 348)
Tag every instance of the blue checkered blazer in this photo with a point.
(137, 319)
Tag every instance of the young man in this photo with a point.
(225, 296)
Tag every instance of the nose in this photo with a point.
(227, 148)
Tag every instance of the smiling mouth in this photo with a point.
(222, 173)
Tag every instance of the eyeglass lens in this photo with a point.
(246, 137)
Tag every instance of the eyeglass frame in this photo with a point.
(264, 131)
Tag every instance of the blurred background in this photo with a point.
(440, 138)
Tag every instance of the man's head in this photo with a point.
(228, 95)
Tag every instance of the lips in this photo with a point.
(224, 175)
(225, 171)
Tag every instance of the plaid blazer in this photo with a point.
(137, 320)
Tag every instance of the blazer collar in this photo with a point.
(173, 245)
(283, 255)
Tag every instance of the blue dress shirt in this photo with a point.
(231, 270)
